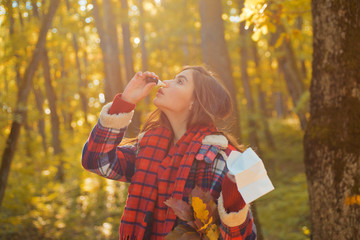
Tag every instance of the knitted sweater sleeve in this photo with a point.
(233, 201)
(101, 153)
(120, 106)
(236, 221)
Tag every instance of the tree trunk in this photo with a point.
(10, 17)
(35, 9)
(332, 137)
(10, 13)
(253, 138)
(216, 55)
(82, 83)
(244, 58)
(299, 24)
(279, 106)
(292, 75)
(144, 64)
(109, 46)
(134, 126)
(55, 122)
(64, 97)
(262, 102)
(28, 129)
(23, 94)
(129, 63)
(39, 99)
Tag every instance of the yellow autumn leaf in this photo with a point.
(206, 225)
(200, 211)
(213, 232)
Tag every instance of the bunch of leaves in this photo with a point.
(200, 214)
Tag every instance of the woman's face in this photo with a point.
(177, 96)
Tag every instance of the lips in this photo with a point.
(160, 91)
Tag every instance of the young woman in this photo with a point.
(179, 148)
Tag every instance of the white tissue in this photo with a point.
(250, 174)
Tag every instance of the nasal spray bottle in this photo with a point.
(157, 81)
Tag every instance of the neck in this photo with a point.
(178, 124)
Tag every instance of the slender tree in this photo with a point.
(144, 60)
(39, 100)
(129, 65)
(82, 80)
(215, 53)
(245, 46)
(289, 67)
(23, 93)
(82, 83)
(66, 115)
(55, 121)
(126, 36)
(107, 31)
(332, 137)
(262, 101)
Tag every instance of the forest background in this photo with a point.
(61, 61)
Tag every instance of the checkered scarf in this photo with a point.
(161, 173)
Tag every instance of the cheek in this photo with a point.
(174, 100)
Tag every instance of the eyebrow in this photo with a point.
(181, 76)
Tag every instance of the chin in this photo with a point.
(156, 102)
(161, 106)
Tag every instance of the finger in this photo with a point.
(156, 76)
(151, 74)
(148, 87)
(147, 73)
(138, 74)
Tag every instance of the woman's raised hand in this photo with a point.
(138, 88)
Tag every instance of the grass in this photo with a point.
(284, 212)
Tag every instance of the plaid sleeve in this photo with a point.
(233, 225)
(101, 153)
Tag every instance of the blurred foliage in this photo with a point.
(284, 212)
(85, 206)
(37, 207)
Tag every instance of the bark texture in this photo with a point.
(332, 137)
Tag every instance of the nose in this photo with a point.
(167, 83)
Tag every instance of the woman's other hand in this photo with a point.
(138, 88)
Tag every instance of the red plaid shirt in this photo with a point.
(102, 155)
